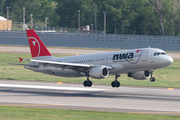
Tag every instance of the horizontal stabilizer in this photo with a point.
(20, 59)
(23, 64)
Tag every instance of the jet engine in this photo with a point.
(99, 72)
(140, 75)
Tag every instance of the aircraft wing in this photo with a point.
(65, 64)
(53, 63)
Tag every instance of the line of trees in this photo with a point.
(141, 17)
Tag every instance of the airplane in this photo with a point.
(136, 63)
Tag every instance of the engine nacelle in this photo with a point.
(99, 72)
(140, 75)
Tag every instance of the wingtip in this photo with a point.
(20, 59)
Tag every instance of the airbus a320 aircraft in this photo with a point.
(136, 63)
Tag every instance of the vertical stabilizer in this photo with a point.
(37, 47)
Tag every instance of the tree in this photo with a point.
(68, 12)
(39, 8)
(160, 7)
(124, 11)
(174, 18)
(2, 2)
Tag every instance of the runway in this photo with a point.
(127, 99)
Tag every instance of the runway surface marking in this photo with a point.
(4, 50)
(25, 105)
(60, 83)
(99, 86)
(94, 106)
(170, 88)
(51, 87)
(155, 89)
(24, 82)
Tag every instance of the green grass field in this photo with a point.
(18, 113)
(166, 77)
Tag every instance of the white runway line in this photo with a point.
(95, 106)
(51, 87)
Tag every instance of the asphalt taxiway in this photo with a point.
(127, 99)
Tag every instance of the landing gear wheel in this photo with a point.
(152, 79)
(87, 83)
(115, 83)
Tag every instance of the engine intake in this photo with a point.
(99, 72)
(140, 75)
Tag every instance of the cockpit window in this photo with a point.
(159, 53)
(163, 53)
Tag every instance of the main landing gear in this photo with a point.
(152, 79)
(116, 83)
(87, 83)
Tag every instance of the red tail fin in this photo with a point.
(37, 47)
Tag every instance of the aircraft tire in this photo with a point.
(115, 84)
(87, 83)
(152, 79)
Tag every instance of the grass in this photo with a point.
(166, 77)
(18, 113)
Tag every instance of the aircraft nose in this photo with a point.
(168, 60)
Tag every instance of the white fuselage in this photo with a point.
(122, 62)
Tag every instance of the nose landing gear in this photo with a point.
(152, 79)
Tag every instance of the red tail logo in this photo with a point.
(137, 51)
(37, 47)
